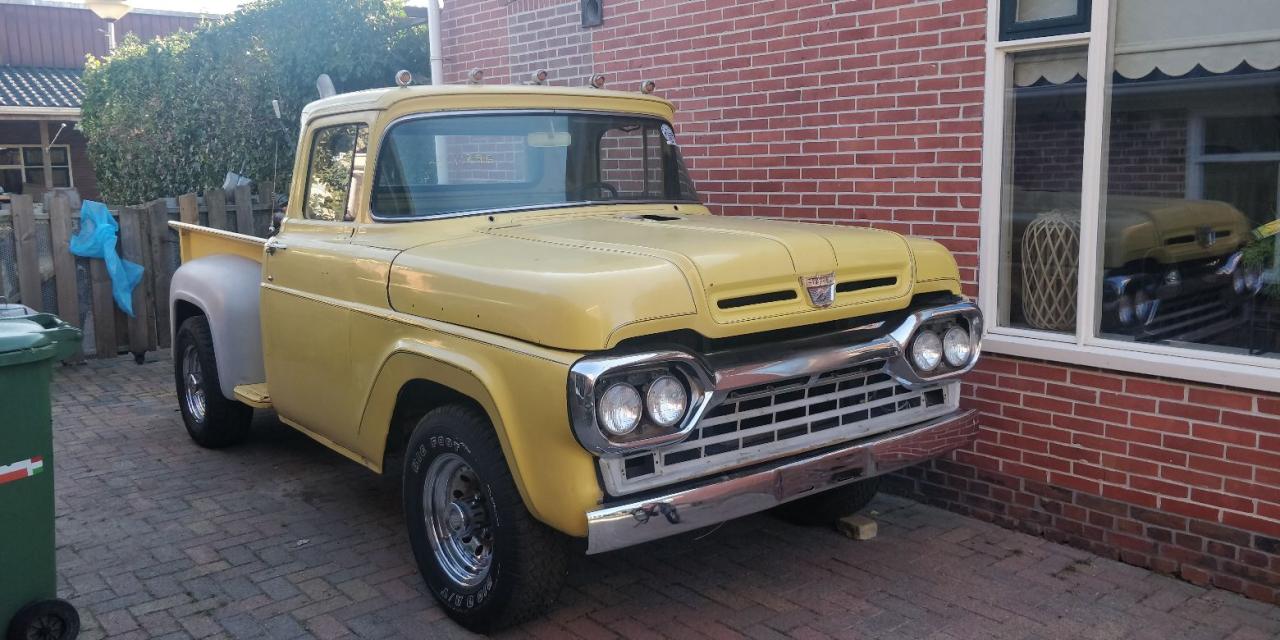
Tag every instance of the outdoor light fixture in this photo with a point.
(648, 86)
(592, 13)
(109, 10)
(598, 81)
(538, 77)
(404, 77)
(475, 76)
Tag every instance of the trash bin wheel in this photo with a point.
(45, 620)
(212, 420)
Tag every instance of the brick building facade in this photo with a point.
(870, 112)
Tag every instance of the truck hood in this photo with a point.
(1167, 230)
(573, 282)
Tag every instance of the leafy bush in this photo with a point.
(175, 114)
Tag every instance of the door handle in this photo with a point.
(274, 245)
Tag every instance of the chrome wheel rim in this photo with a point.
(193, 384)
(458, 520)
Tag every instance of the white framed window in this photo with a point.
(1133, 169)
(24, 163)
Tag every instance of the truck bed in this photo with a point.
(196, 241)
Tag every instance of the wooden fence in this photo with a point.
(37, 265)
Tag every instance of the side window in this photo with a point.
(335, 171)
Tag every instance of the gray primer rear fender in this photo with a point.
(226, 289)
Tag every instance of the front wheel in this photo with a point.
(487, 561)
(829, 506)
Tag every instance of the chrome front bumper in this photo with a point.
(733, 496)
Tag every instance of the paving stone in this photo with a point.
(161, 539)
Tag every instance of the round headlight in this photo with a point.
(955, 346)
(620, 409)
(926, 351)
(1238, 283)
(1253, 278)
(666, 401)
(1124, 309)
(1142, 305)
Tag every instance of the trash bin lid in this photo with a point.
(23, 340)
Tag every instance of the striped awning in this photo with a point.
(1174, 37)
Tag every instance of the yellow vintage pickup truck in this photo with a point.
(512, 297)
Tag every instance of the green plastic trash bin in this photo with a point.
(29, 608)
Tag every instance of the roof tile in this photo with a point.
(39, 87)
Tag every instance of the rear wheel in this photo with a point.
(829, 506)
(487, 561)
(212, 420)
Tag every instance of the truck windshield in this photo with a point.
(443, 165)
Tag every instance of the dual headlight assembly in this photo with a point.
(627, 402)
(659, 398)
(936, 344)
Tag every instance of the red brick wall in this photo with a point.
(870, 112)
(1147, 155)
(1180, 478)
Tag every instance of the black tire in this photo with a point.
(52, 619)
(222, 422)
(528, 560)
(829, 506)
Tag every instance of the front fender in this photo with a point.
(225, 288)
(525, 399)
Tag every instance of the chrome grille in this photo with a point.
(781, 418)
(1192, 317)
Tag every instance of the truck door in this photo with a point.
(306, 316)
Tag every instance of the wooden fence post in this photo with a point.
(134, 231)
(64, 264)
(188, 208)
(215, 200)
(244, 210)
(267, 194)
(28, 258)
(105, 341)
(267, 199)
(161, 274)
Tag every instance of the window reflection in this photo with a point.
(1193, 170)
(1040, 212)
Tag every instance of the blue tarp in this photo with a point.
(97, 239)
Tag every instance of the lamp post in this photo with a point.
(435, 45)
(109, 10)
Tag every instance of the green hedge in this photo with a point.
(175, 114)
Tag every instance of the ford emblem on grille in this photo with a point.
(821, 289)
(1206, 236)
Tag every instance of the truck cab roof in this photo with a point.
(493, 96)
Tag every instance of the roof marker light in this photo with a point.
(404, 77)
(475, 76)
(538, 77)
(648, 86)
(598, 81)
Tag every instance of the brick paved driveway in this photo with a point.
(283, 538)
